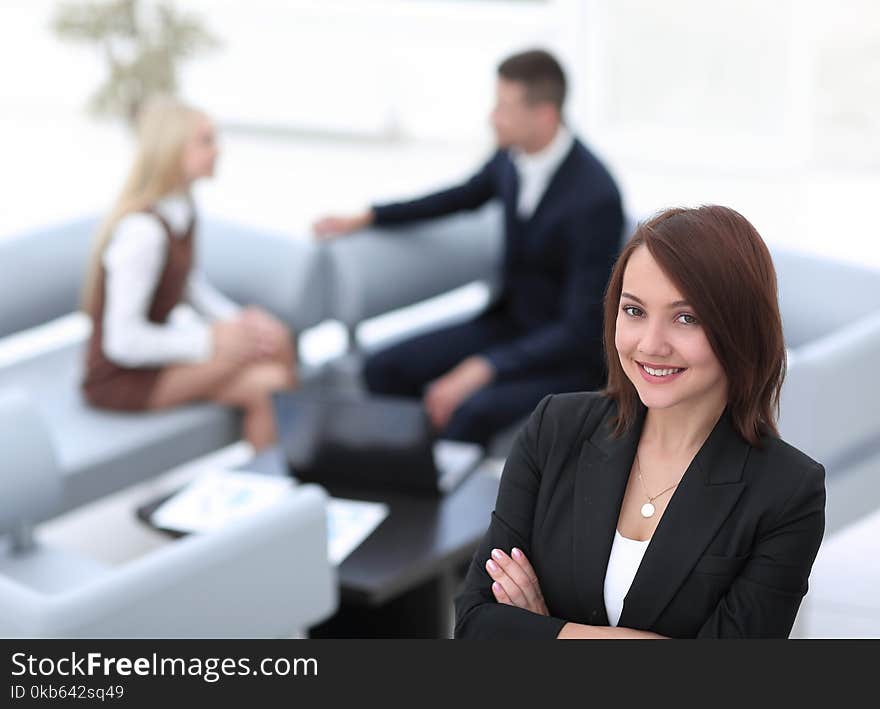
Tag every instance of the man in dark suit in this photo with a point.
(563, 225)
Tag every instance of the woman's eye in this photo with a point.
(687, 319)
(632, 310)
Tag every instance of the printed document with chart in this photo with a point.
(220, 497)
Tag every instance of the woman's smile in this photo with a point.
(659, 374)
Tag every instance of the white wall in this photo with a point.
(769, 107)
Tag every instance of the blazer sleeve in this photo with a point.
(763, 600)
(477, 614)
(474, 193)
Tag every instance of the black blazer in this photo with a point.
(730, 556)
(556, 262)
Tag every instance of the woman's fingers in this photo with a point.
(500, 594)
(522, 592)
(511, 590)
(520, 558)
(266, 338)
(517, 580)
(529, 585)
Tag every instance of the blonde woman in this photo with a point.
(141, 358)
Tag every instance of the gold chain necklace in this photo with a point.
(648, 508)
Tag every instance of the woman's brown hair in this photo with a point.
(719, 262)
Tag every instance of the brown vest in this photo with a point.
(109, 385)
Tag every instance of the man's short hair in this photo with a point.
(541, 74)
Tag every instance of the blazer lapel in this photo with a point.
(509, 190)
(699, 506)
(600, 482)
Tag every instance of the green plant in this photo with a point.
(142, 44)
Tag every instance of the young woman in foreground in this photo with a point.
(139, 356)
(665, 505)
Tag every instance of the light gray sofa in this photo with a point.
(349, 280)
(41, 276)
(264, 576)
(831, 401)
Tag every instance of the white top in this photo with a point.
(535, 170)
(133, 261)
(626, 556)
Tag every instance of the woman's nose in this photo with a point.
(654, 340)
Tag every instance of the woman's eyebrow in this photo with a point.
(674, 304)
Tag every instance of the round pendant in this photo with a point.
(647, 510)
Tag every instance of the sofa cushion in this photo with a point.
(100, 452)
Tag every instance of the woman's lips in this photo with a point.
(659, 379)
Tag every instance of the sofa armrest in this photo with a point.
(265, 576)
(380, 270)
(829, 400)
(30, 479)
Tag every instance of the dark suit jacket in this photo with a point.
(730, 557)
(556, 263)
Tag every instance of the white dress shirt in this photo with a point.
(535, 170)
(133, 263)
(626, 556)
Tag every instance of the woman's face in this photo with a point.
(200, 151)
(660, 341)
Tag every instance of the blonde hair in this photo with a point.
(164, 126)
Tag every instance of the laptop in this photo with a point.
(360, 442)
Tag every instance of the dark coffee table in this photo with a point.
(401, 581)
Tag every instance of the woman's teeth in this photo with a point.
(660, 372)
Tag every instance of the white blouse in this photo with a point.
(133, 263)
(626, 556)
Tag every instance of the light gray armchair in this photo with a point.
(99, 452)
(831, 401)
(266, 576)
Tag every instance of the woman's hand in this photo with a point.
(233, 344)
(515, 581)
(268, 333)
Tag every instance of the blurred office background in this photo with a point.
(769, 107)
(772, 108)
